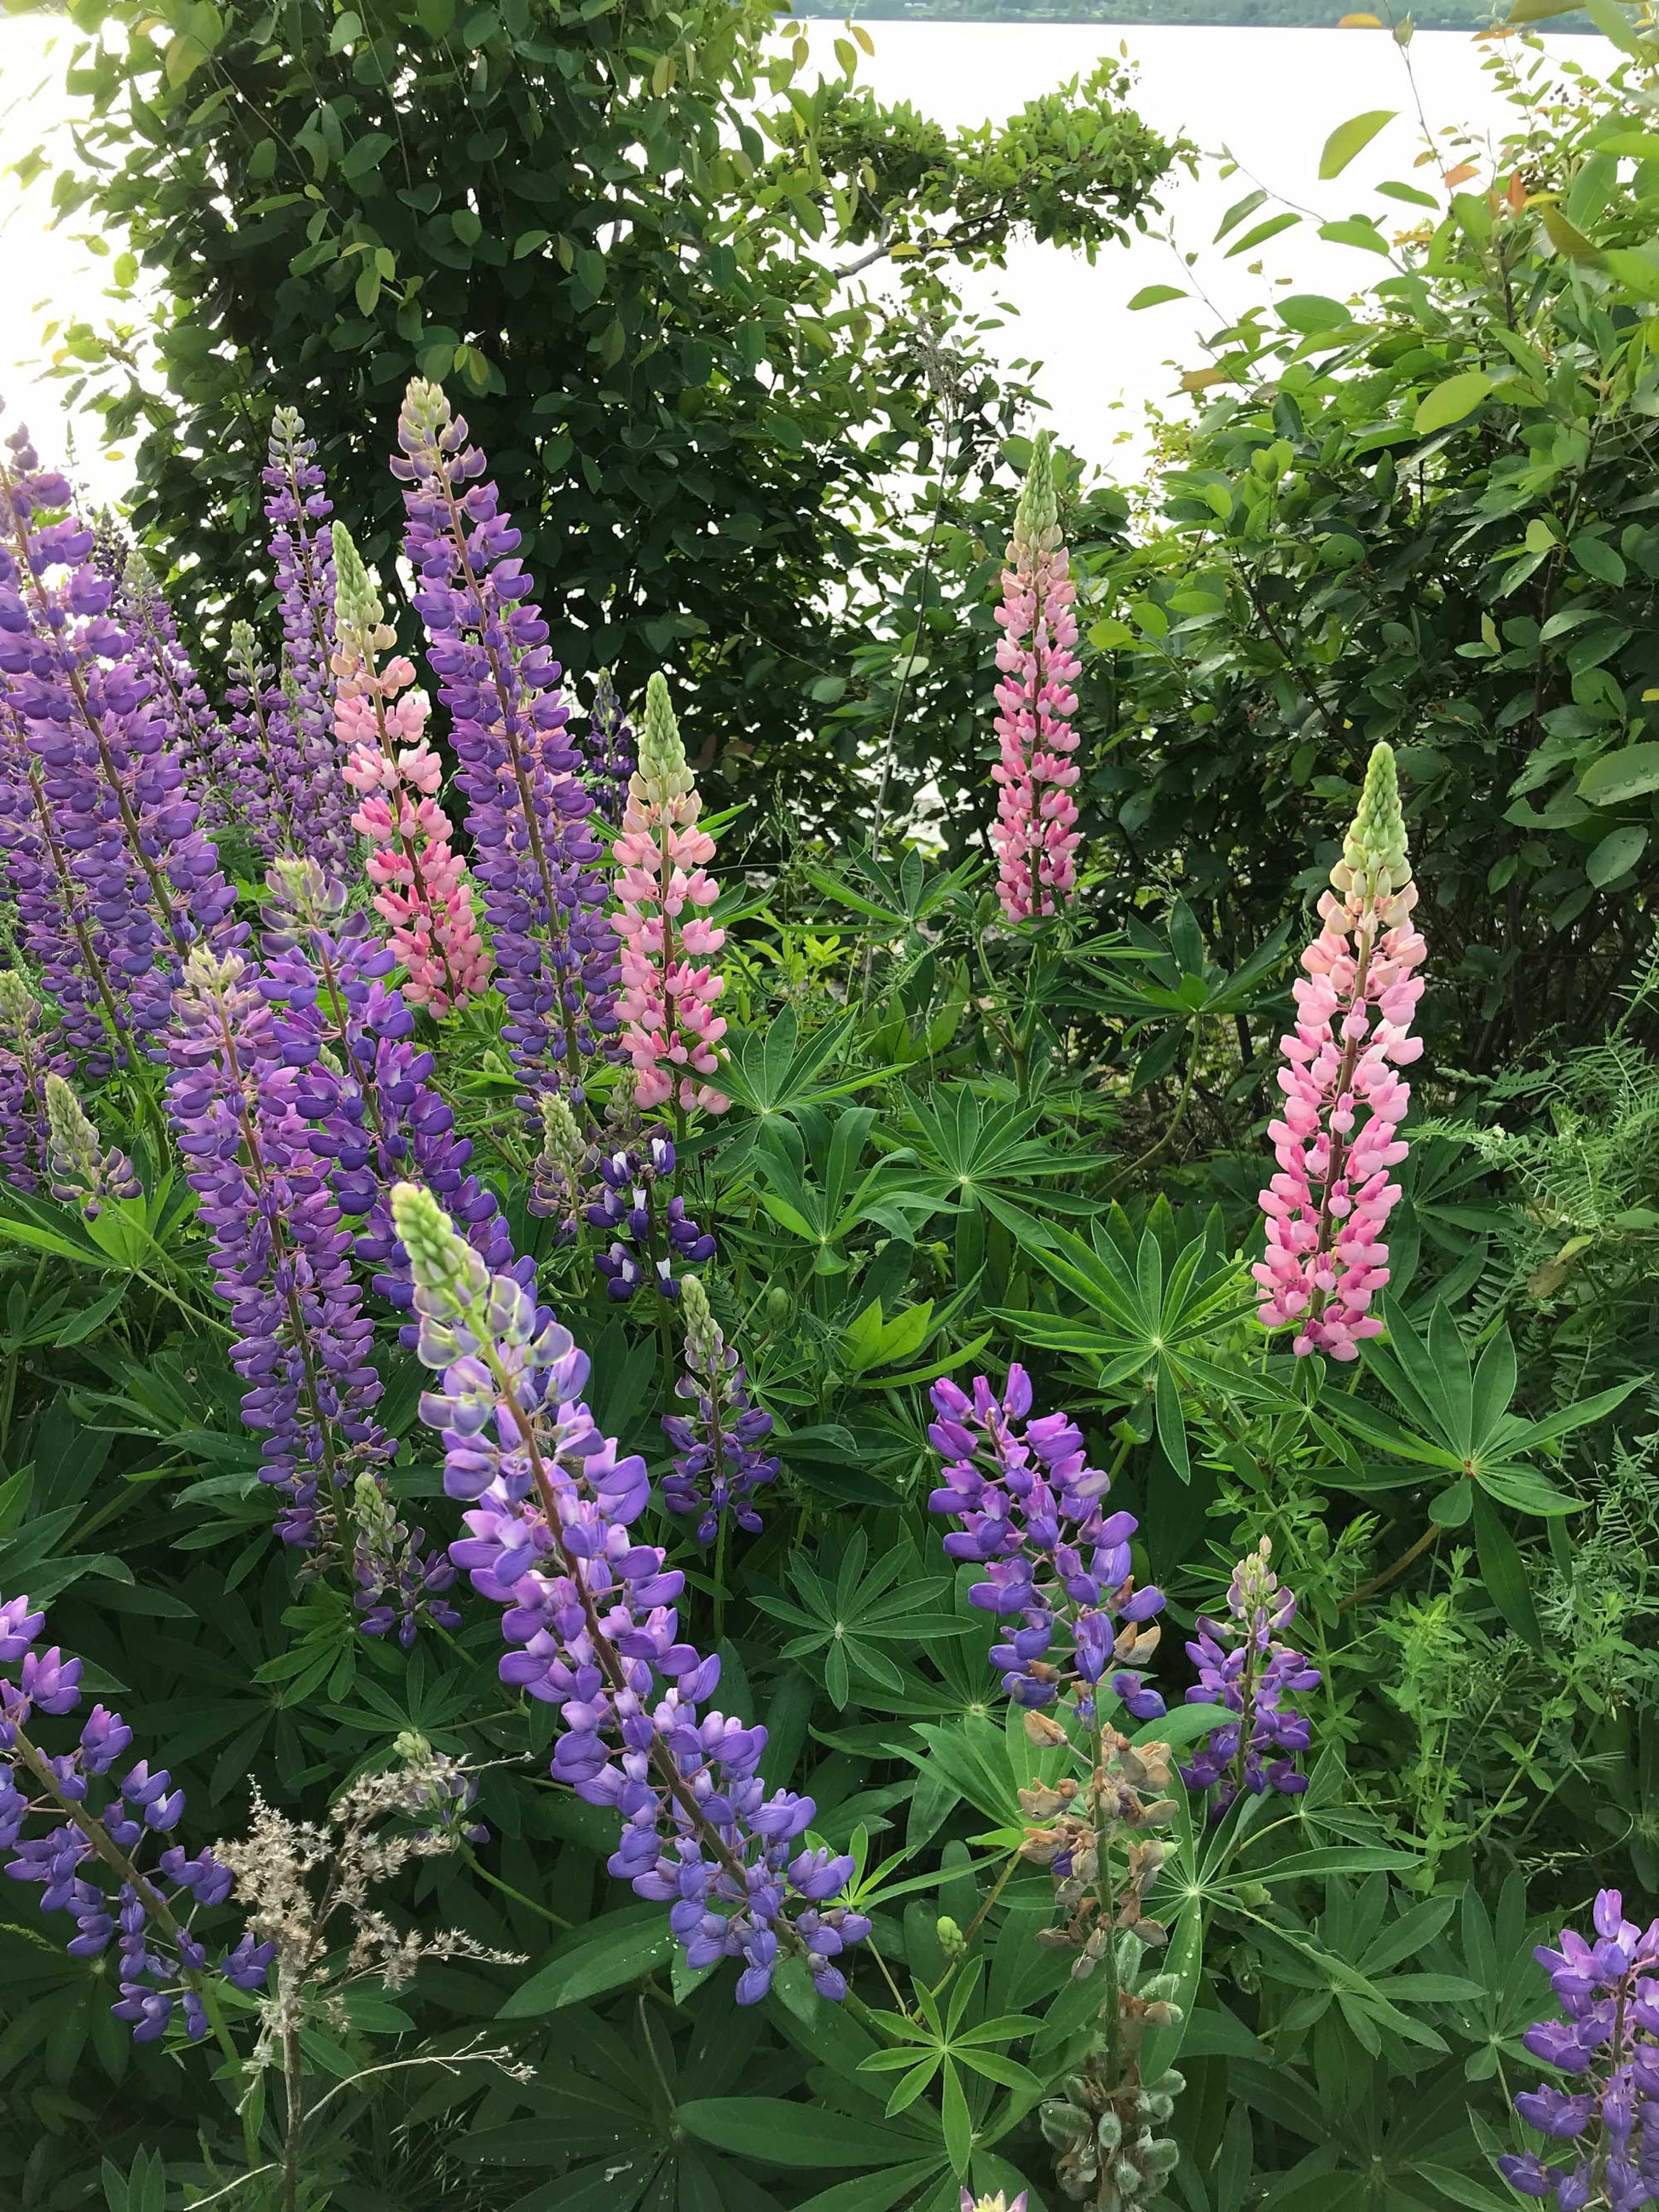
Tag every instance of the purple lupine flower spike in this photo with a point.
(106, 789)
(100, 1827)
(1607, 2044)
(260, 762)
(1033, 1511)
(1241, 1666)
(651, 1241)
(611, 753)
(27, 1062)
(720, 1462)
(589, 1611)
(533, 854)
(280, 1250)
(85, 1172)
(191, 726)
(300, 707)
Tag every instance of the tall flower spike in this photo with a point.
(720, 1462)
(83, 1173)
(1057, 1563)
(589, 1613)
(1335, 1143)
(1036, 834)
(109, 834)
(611, 755)
(534, 854)
(27, 1063)
(301, 701)
(422, 886)
(1241, 1666)
(262, 774)
(192, 727)
(88, 1862)
(1607, 2119)
(649, 1241)
(670, 1029)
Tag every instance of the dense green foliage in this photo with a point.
(1426, 515)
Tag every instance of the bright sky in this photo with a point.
(1271, 96)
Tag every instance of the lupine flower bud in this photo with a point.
(1035, 836)
(83, 1172)
(1335, 1142)
(719, 1464)
(26, 1063)
(670, 1029)
(560, 1179)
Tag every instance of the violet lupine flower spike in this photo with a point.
(319, 808)
(99, 1833)
(670, 1029)
(719, 1462)
(1607, 2046)
(649, 1242)
(612, 756)
(563, 1169)
(422, 887)
(1328, 1206)
(1036, 834)
(589, 1610)
(534, 857)
(192, 727)
(282, 1253)
(106, 787)
(1057, 1562)
(84, 1173)
(261, 765)
(1241, 1666)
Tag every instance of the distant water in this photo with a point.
(1269, 96)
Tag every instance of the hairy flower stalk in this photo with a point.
(590, 1612)
(1607, 2046)
(106, 787)
(192, 727)
(281, 1250)
(719, 1464)
(1036, 834)
(300, 704)
(422, 886)
(27, 1063)
(1243, 1667)
(83, 1172)
(99, 1833)
(533, 853)
(1328, 1206)
(670, 1029)
(608, 746)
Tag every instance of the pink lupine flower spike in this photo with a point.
(1035, 834)
(1336, 1142)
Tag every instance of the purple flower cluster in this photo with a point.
(719, 1463)
(99, 1829)
(192, 728)
(84, 1170)
(1241, 1666)
(1608, 2046)
(590, 1612)
(260, 768)
(609, 749)
(281, 1248)
(298, 709)
(27, 1061)
(647, 1241)
(114, 876)
(1032, 1510)
(544, 892)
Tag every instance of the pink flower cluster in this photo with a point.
(1336, 1141)
(420, 885)
(1036, 834)
(670, 1029)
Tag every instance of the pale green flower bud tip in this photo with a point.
(355, 600)
(425, 407)
(17, 1001)
(1373, 855)
(1039, 509)
(425, 1231)
(694, 1301)
(139, 576)
(67, 1125)
(661, 753)
(287, 424)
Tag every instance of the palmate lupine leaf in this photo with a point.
(847, 1622)
(1146, 1322)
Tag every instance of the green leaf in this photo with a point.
(1451, 401)
(1616, 853)
(1631, 773)
(1504, 1571)
(779, 2131)
(592, 1961)
(1154, 295)
(1352, 137)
